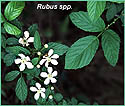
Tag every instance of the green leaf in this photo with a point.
(32, 72)
(9, 59)
(95, 9)
(35, 60)
(17, 49)
(74, 101)
(3, 41)
(32, 29)
(2, 18)
(37, 41)
(111, 12)
(13, 9)
(64, 102)
(21, 89)
(81, 52)
(3, 30)
(11, 75)
(17, 23)
(111, 45)
(58, 97)
(82, 20)
(3, 54)
(12, 41)
(58, 48)
(11, 29)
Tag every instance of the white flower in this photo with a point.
(50, 97)
(49, 58)
(39, 91)
(38, 66)
(49, 76)
(46, 45)
(24, 60)
(26, 39)
(52, 88)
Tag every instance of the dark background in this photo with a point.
(98, 81)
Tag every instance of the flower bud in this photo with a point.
(46, 45)
(52, 88)
(50, 97)
(39, 53)
(38, 66)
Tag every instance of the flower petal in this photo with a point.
(43, 89)
(55, 56)
(36, 96)
(17, 61)
(33, 89)
(22, 67)
(29, 65)
(53, 80)
(54, 62)
(47, 81)
(54, 74)
(47, 64)
(44, 74)
(27, 58)
(26, 34)
(42, 95)
(27, 44)
(21, 41)
(50, 69)
(22, 56)
(38, 85)
(31, 39)
(42, 61)
(50, 52)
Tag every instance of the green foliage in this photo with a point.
(13, 9)
(37, 41)
(58, 48)
(3, 41)
(58, 97)
(82, 20)
(17, 23)
(2, 18)
(17, 49)
(35, 61)
(11, 29)
(32, 72)
(74, 101)
(113, 10)
(12, 41)
(9, 59)
(81, 52)
(11, 75)
(95, 9)
(21, 89)
(32, 29)
(110, 45)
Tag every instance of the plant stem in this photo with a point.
(108, 26)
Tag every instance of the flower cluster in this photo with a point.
(47, 59)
